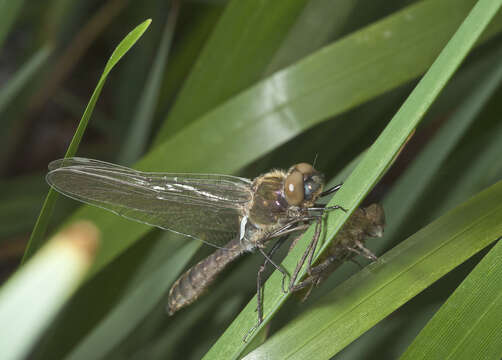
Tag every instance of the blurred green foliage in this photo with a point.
(242, 86)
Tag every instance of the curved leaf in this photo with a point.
(138, 134)
(327, 83)
(379, 289)
(468, 325)
(401, 201)
(376, 161)
(11, 89)
(36, 238)
(233, 58)
(133, 308)
(50, 278)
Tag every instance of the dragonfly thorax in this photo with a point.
(279, 196)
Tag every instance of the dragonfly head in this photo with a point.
(303, 185)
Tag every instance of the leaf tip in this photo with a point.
(82, 237)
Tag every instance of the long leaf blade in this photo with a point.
(469, 324)
(23, 76)
(371, 168)
(36, 238)
(50, 278)
(378, 290)
(239, 132)
(233, 59)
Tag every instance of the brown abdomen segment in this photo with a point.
(197, 279)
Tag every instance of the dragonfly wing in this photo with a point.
(203, 206)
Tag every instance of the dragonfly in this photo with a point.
(234, 214)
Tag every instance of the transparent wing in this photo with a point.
(202, 206)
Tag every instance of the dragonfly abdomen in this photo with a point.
(197, 279)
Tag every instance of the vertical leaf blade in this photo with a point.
(36, 238)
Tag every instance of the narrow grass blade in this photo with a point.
(135, 144)
(401, 201)
(17, 85)
(377, 159)
(379, 289)
(49, 279)
(467, 182)
(473, 158)
(469, 324)
(20, 205)
(380, 156)
(36, 238)
(22, 77)
(481, 173)
(76, 49)
(183, 59)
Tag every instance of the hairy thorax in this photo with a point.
(268, 206)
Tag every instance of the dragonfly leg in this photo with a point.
(259, 286)
(268, 259)
(259, 283)
(285, 230)
(310, 249)
(292, 230)
(288, 228)
(331, 190)
(315, 241)
(360, 249)
(259, 294)
(310, 281)
(315, 277)
(335, 207)
(319, 207)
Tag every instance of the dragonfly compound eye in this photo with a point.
(305, 169)
(293, 188)
(311, 187)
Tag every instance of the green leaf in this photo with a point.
(21, 199)
(468, 325)
(50, 278)
(97, 316)
(139, 133)
(327, 83)
(414, 316)
(134, 307)
(36, 238)
(186, 53)
(379, 289)
(9, 94)
(457, 178)
(369, 170)
(400, 202)
(380, 156)
(234, 58)
(316, 25)
(221, 304)
(23, 76)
